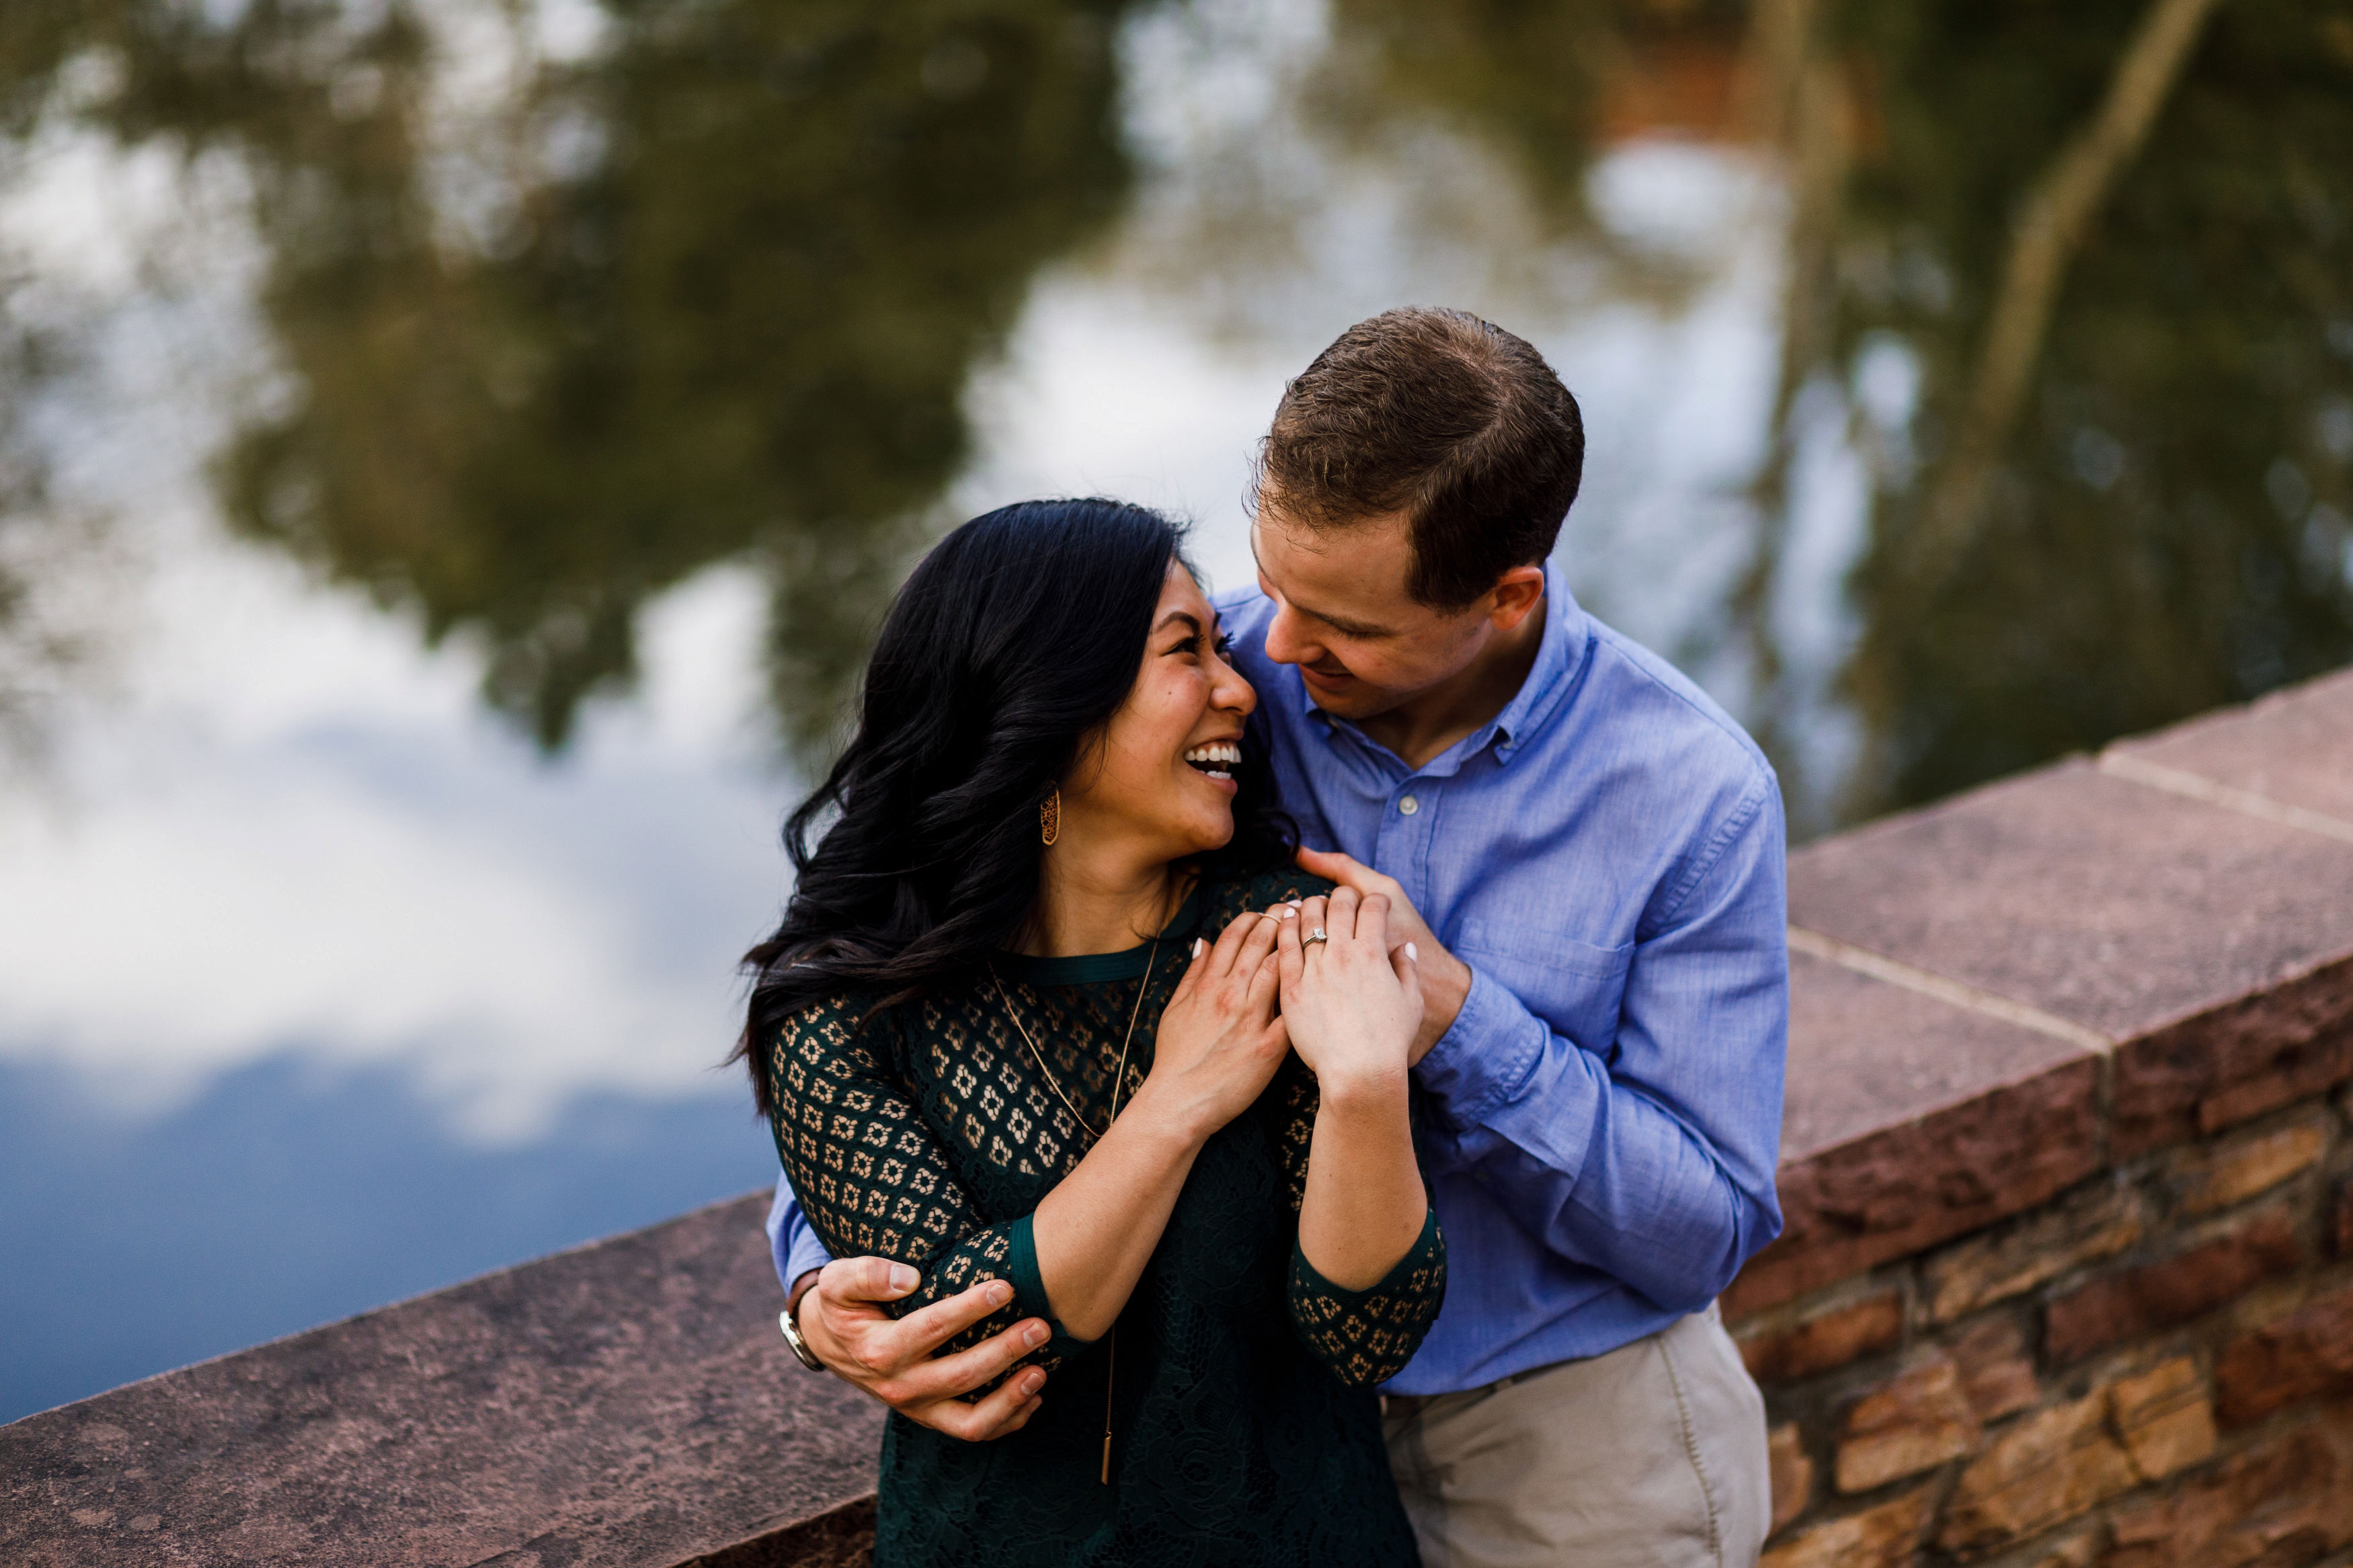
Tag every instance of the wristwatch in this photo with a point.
(793, 1337)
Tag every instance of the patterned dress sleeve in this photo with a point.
(1366, 1336)
(874, 1180)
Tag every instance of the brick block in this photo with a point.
(2289, 1502)
(2308, 1354)
(1826, 1340)
(1792, 1474)
(1997, 1373)
(1944, 1174)
(2216, 1176)
(2093, 1224)
(1915, 1422)
(2045, 1470)
(1882, 1537)
(2190, 1079)
(2164, 1417)
(2078, 1550)
(2187, 1285)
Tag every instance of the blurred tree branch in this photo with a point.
(2051, 226)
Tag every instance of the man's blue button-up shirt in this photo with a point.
(1601, 1122)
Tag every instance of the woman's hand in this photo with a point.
(1352, 1007)
(1445, 979)
(1220, 1039)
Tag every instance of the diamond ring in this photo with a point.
(1318, 935)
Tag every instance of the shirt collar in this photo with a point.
(1559, 656)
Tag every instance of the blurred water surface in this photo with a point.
(452, 454)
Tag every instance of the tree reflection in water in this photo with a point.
(714, 289)
(2164, 527)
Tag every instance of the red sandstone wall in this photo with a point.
(2152, 1370)
(2069, 1273)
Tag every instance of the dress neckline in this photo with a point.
(1092, 968)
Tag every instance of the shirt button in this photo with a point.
(1408, 806)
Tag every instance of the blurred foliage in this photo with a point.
(41, 544)
(2167, 527)
(712, 293)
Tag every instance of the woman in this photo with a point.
(1021, 1022)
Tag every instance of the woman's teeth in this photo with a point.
(1217, 759)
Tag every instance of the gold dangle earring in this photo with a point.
(1049, 817)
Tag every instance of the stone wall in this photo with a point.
(2068, 1275)
(630, 1403)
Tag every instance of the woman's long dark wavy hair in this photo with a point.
(1015, 641)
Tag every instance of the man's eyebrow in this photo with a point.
(1337, 622)
(1341, 623)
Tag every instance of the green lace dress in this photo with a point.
(1245, 1427)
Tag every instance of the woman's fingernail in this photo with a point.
(1289, 911)
(1197, 945)
(903, 1277)
(999, 1293)
(1412, 954)
(1034, 1336)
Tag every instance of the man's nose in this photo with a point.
(1283, 643)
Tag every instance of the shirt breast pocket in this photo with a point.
(1575, 986)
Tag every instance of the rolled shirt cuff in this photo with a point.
(1484, 1057)
(794, 1246)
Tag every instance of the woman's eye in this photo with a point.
(1225, 645)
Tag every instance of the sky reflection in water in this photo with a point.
(449, 453)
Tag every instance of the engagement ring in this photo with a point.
(1317, 936)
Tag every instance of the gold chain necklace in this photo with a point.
(1119, 1082)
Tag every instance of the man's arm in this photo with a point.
(1655, 1161)
(838, 1307)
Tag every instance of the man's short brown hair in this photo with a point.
(1443, 416)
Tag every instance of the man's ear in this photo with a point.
(1515, 594)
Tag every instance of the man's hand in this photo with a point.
(841, 1317)
(1445, 979)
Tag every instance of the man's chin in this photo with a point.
(1349, 697)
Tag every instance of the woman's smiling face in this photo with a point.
(1159, 774)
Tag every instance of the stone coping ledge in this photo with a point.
(629, 1401)
(1992, 999)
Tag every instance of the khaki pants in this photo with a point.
(1650, 1456)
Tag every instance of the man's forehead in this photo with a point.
(1351, 576)
(1356, 542)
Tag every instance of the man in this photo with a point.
(1592, 853)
